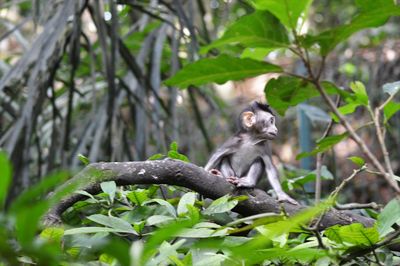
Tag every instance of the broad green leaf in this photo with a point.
(110, 188)
(37, 191)
(259, 29)
(90, 230)
(323, 145)
(256, 53)
(5, 177)
(360, 93)
(164, 233)
(284, 92)
(391, 88)
(158, 219)
(272, 230)
(355, 234)
(169, 208)
(372, 15)
(187, 199)
(118, 249)
(210, 259)
(112, 222)
(302, 256)
(357, 160)
(390, 109)
(220, 205)
(138, 196)
(365, 5)
(165, 251)
(388, 217)
(202, 233)
(53, 234)
(287, 11)
(220, 69)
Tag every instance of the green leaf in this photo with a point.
(110, 188)
(187, 199)
(284, 92)
(165, 251)
(355, 234)
(256, 53)
(83, 159)
(176, 155)
(360, 93)
(91, 230)
(371, 15)
(156, 156)
(391, 88)
(113, 222)
(357, 160)
(221, 205)
(220, 69)
(173, 146)
(161, 235)
(323, 145)
(211, 259)
(5, 177)
(287, 11)
(390, 109)
(158, 219)
(170, 209)
(138, 196)
(52, 234)
(259, 29)
(388, 217)
(202, 233)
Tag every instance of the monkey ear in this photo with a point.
(248, 119)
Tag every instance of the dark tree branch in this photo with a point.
(173, 172)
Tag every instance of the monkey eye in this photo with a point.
(271, 120)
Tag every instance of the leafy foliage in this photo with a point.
(220, 69)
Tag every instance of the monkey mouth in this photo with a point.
(272, 134)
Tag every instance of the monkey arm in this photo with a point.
(273, 178)
(229, 147)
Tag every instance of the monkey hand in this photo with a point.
(283, 197)
(215, 172)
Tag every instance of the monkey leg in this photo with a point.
(253, 174)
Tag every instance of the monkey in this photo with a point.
(244, 157)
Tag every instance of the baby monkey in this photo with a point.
(243, 158)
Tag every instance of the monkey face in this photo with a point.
(265, 125)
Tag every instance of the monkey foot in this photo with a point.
(287, 198)
(215, 172)
(233, 180)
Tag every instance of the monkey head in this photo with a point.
(258, 119)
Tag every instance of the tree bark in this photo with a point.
(173, 172)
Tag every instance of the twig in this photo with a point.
(319, 160)
(361, 143)
(355, 206)
(345, 181)
(381, 140)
